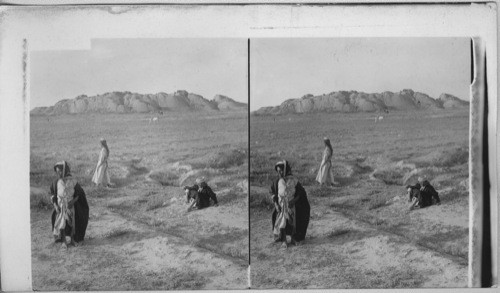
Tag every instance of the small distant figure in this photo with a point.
(422, 194)
(325, 172)
(153, 119)
(204, 196)
(71, 210)
(160, 112)
(101, 176)
(378, 118)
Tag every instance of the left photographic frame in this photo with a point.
(138, 165)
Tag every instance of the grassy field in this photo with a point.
(362, 234)
(139, 235)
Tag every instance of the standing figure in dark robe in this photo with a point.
(71, 210)
(297, 209)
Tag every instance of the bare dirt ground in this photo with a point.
(140, 236)
(362, 234)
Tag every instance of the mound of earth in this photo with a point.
(353, 101)
(450, 101)
(444, 157)
(227, 104)
(127, 102)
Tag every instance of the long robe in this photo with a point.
(101, 172)
(302, 212)
(286, 216)
(80, 212)
(325, 172)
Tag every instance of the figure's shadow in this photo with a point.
(339, 237)
(345, 181)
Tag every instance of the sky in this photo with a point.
(147, 66)
(282, 69)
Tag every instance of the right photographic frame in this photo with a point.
(360, 159)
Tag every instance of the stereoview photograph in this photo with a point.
(359, 155)
(139, 165)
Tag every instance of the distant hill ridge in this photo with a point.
(127, 102)
(353, 101)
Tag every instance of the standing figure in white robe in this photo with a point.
(101, 175)
(325, 172)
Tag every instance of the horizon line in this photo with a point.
(323, 94)
(131, 92)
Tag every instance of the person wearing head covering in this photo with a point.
(428, 193)
(203, 196)
(325, 172)
(71, 211)
(292, 210)
(101, 175)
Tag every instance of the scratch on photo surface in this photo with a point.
(249, 278)
(3, 18)
(55, 11)
(3, 13)
(320, 26)
(119, 9)
(25, 82)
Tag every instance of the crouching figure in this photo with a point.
(422, 194)
(203, 197)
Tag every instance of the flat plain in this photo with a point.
(140, 236)
(362, 233)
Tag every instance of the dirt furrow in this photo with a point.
(181, 249)
(401, 235)
(353, 255)
(178, 234)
